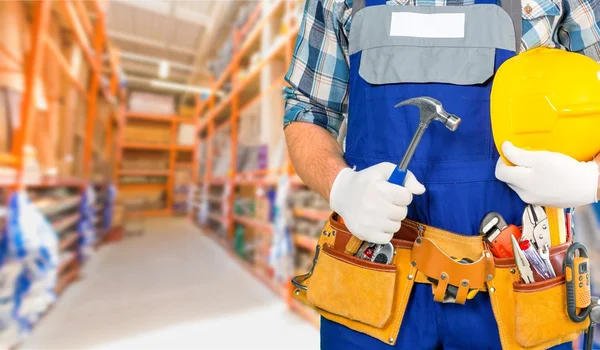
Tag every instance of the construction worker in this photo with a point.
(360, 58)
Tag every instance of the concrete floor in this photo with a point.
(171, 288)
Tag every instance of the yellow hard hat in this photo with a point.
(548, 99)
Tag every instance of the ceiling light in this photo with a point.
(182, 87)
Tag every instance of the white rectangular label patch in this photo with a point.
(421, 25)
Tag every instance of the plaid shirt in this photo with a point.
(319, 71)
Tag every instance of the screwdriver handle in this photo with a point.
(398, 177)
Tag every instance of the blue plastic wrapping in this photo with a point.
(282, 248)
(30, 259)
(86, 227)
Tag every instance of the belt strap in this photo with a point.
(513, 8)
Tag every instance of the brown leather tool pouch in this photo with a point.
(433, 262)
(532, 316)
(367, 297)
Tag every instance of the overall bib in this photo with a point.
(451, 54)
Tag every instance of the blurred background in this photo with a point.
(148, 198)
(149, 201)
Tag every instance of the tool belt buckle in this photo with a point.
(453, 280)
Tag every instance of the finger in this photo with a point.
(394, 212)
(523, 194)
(395, 194)
(413, 185)
(389, 226)
(515, 175)
(519, 156)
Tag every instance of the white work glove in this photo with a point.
(371, 207)
(548, 178)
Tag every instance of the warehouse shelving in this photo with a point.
(223, 110)
(81, 135)
(172, 150)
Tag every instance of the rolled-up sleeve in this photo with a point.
(319, 73)
(580, 27)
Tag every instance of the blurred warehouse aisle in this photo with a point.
(182, 292)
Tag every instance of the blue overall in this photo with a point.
(457, 169)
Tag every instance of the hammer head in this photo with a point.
(431, 109)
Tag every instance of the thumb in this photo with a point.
(518, 156)
(381, 170)
(413, 185)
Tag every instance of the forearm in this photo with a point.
(316, 156)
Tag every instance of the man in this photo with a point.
(338, 67)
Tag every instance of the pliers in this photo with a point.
(535, 228)
(522, 262)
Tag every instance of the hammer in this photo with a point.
(430, 109)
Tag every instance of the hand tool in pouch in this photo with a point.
(377, 253)
(430, 110)
(497, 234)
(537, 231)
(522, 262)
(577, 274)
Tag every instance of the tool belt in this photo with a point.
(529, 316)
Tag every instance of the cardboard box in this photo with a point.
(15, 39)
(186, 135)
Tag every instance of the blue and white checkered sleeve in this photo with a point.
(319, 71)
(580, 28)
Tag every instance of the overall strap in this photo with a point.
(513, 8)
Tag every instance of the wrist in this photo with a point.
(338, 186)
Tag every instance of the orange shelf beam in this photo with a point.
(8, 159)
(306, 242)
(312, 214)
(240, 87)
(66, 279)
(68, 240)
(83, 15)
(80, 35)
(160, 212)
(185, 148)
(146, 146)
(66, 261)
(165, 118)
(33, 65)
(141, 187)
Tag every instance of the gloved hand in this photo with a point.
(371, 207)
(548, 178)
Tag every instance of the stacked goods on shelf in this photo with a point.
(147, 132)
(187, 107)
(151, 103)
(182, 182)
(186, 135)
(140, 201)
(141, 160)
(222, 152)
